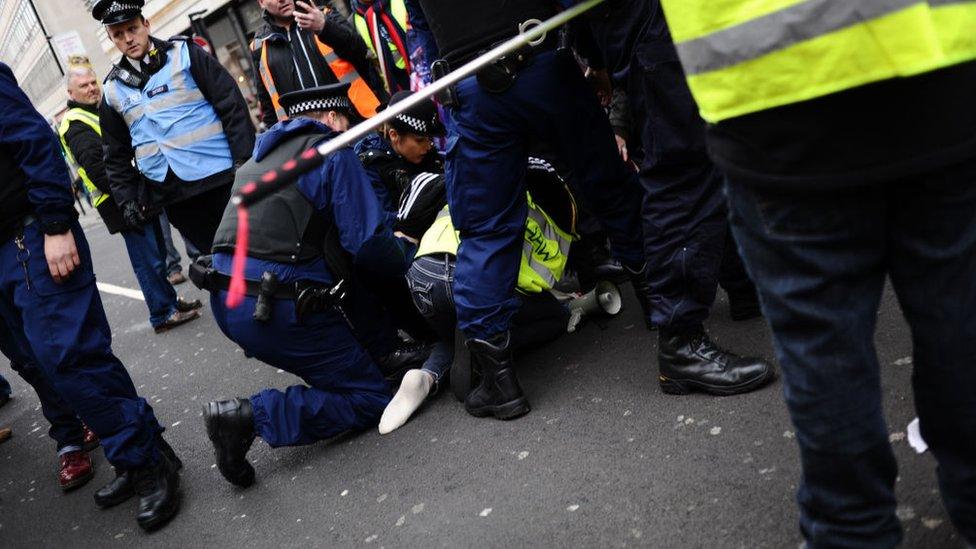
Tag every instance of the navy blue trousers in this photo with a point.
(685, 225)
(820, 260)
(345, 391)
(67, 332)
(66, 428)
(486, 161)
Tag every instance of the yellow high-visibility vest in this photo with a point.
(545, 248)
(86, 117)
(745, 56)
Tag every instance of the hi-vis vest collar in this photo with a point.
(743, 56)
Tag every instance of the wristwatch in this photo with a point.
(56, 227)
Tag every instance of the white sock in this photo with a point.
(413, 390)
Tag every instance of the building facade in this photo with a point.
(38, 36)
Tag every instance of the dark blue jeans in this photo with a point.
(819, 259)
(539, 319)
(147, 253)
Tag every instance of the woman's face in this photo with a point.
(410, 146)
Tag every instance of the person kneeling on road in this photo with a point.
(539, 319)
(302, 244)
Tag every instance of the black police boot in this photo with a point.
(689, 361)
(230, 426)
(642, 289)
(158, 487)
(115, 492)
(744, 303)
(406, 356)
(498, 394)
(122, 486)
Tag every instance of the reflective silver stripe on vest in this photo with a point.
(181, 141)
(940, 3)
(172, 99)
(779, 30)
(539, 268)
(349, 77)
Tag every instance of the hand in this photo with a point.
(61, 254)
(621, 147)
(309, 17)
(600, 81)
(133, 215)
(406, 237)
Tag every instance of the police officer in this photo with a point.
(401, 150)
(535, 92)
(685, 226)
(50, 301)
(847, 131)
(174, 125)
(82, 141)
(303, 240)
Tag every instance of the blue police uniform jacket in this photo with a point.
(30, 183)
(171, 124)
(339, 190)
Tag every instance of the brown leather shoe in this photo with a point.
(183, 305)
(91, 439)
(176, 319)
(176, 278)
(76, 469)
(5, 434)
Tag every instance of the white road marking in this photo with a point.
(119, 290)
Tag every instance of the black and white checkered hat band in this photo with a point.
(417, 124)
(119, 6)
(327, 104)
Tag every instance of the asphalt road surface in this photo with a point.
(604, 459)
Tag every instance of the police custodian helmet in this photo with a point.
(110, 12)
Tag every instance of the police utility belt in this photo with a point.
(309, 297)
(500, 75)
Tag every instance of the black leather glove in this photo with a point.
(134, 217)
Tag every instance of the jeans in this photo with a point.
(819, 259)
(539, 319)
(147, 254)
(172, 254)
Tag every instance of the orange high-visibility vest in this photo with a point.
(361, 96)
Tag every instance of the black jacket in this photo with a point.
(291, 70)
(86, 147)
(220, 90)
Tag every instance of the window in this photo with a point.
(23, 27)
(43, 77)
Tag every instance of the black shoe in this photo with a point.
(4, 399)
(230, 426)
(158, 487)
(642, 289)
(403, 358)
(185, 306)
(122, 488)
(744, 303)
(115, 492)
(690, 361)
(498, 394)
